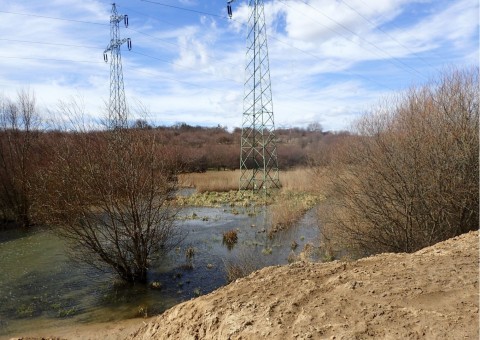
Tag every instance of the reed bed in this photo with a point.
(219, 181)
(301, 179)
(289, 207)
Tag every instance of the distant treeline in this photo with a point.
(201, 148)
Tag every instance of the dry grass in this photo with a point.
(243, 264)
(230, 238)
(301, 179)
(210, 181)
(289, 207)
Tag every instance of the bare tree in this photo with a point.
(109, 194)
(410, 177)
(19, 155)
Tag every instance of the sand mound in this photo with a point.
(431, 294)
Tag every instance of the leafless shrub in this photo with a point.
(20, 154)
(109, 194)
(245, 263)
(409, 178)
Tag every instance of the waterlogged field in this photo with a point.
(41, 288)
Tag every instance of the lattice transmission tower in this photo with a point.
(258, 156)
(117, 106)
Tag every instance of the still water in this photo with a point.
(40, 287)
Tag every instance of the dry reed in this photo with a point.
(245, 263)
(210, 181)
(230, 238)
(300, 179)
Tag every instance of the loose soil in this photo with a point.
(430, 294)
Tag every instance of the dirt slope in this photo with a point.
(431, 294)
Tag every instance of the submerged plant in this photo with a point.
(25, 311)
(230, 238)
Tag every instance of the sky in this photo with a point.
(330, 60)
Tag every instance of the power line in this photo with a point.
(89, 22)
(386, 33)
(146, 15)
(175, 44)
(343, 26)
(354, 33)
(54, 18)
(47, 43)
(52, 59)
(168, 78)
(269, 36)
(186, 9)
(185, 67)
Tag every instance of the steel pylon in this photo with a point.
(117, 106)
(258, 156)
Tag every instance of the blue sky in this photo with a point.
(330, 61)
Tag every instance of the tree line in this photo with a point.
(30, 152)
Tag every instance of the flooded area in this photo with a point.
(41, 287)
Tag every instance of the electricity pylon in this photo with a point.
(258, 156)
(117, 106)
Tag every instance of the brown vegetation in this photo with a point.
(210, 181)
(112, 204)
(230, 238)
(288, 208)
(20, 155)
(27, 149)
(409, 178)
(108, 193)
(245, 263)
(297, 179)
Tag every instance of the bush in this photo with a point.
(409, 178)
(109, 193)
(243, 264)
(230, 238)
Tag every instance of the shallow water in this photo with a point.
(40, 287)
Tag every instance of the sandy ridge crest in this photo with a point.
(430, 294)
